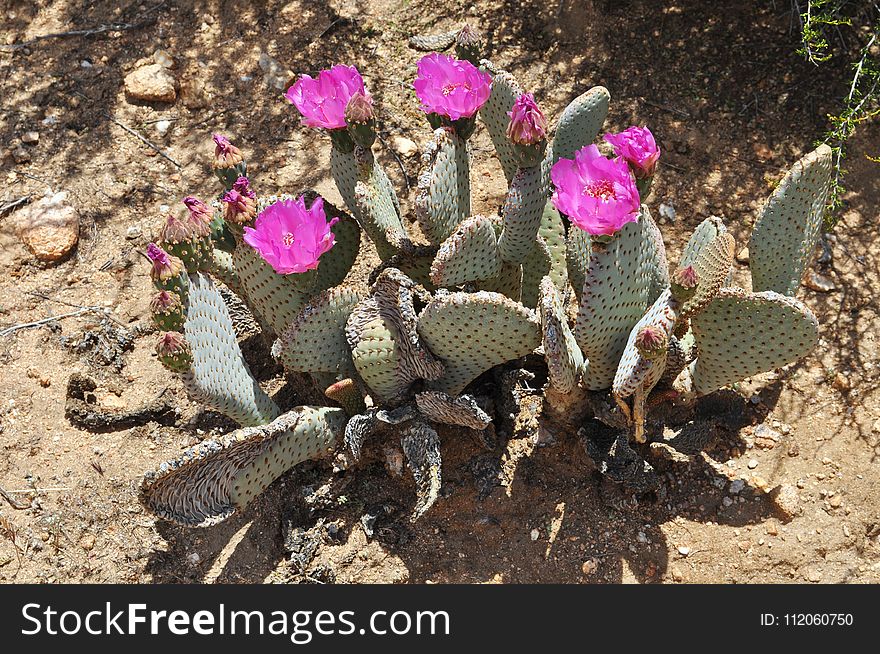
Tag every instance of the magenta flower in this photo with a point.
(322, 101)
(599, 195)
(290, 237)
(527, 124)
(451, 87)
(637, 146)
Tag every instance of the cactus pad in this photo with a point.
(505, 91)
(577, 258)
(521, 214)
(785, 235)
(565, 361)
(712, 266)
(315, 340)
(617, 293)
(552, 230)
(210, 481)
(219, 375)
(473, 332)
(275, 298)
(741, 334)
(463, 410)
(444, 192)
(635, 370)
(386, 349)
(469, 254)
(579, 123)
(535, 266)
(421, 447)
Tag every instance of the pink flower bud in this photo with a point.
(527, 124)
(637, 146)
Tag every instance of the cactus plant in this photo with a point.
(581, 275)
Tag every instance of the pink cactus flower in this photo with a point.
(451, 87)
(637, 146)
(322, 101)
(599, 195)
(527, 122)
(291, 238)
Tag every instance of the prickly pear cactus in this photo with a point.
(398, 357)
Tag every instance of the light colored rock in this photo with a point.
(30, 138)
(151, 83)
(162, 127)
(404, 147)
(819, 283)
(785, 498)
(743, 256)
(162, 58)
(49, 227)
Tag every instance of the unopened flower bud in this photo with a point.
(651, 342)
(684, 283)
(200, 216)
(359, 109)
(174, 352)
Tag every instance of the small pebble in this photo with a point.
(162, 127)
(31, 138)
(684, 550)
(534, 535)
(133, 232)
(737, 485)
(193, 558)
(590, 566)
(753, 463)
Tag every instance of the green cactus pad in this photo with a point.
(521, 214)
(433, 42)
(334, 265)
(565, 361)
(379, 220)
(505, 91)
(223, 269)
(275, 298)
(579, 123)
(611, 303)
(349, 168)
(552, 230)
(785, 235)
(535, 266)
(315, 340)
(219, 375)
(741, 334)
(473, 332)
(421, 448)
(508, 282)
(712, 265)
(636, 371)
(705, 233)
(385, 346)
(469, 254)
(577, 258)
(448, 410)
(214, 479)
(444, 191)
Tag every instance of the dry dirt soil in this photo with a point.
(732, 106)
